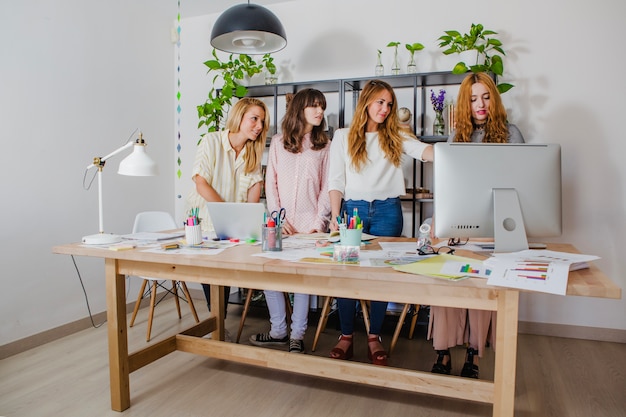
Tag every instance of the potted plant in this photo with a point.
(231, 72)
(395, 67)
(488, 49)
(411, 68)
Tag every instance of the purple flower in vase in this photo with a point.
(438, 100)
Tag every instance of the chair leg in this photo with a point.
(151, 313)
(189, 300)
(138, 302)
(321, 325)
(244, 313)
(414, 320)
(366, 315)
(175, 291)
(396, 333)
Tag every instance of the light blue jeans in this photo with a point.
(278, 314)
(380, 218)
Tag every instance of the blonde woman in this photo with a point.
(365, 174)
(228, 163)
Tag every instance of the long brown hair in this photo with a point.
(254, 148)
(496, 130)
(294, 122)
(389, 137)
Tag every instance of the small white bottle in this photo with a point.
(423, 235)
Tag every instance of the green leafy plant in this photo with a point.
(414, 47)
(411, 68)
(395, 67)
(231, 72)
(486, 46)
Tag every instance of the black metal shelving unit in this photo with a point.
(348, 90)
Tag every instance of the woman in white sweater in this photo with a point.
(365, 174)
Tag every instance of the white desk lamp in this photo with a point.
(137, 164)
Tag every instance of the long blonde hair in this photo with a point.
(496, 130)
(389, 137)
(254, 148)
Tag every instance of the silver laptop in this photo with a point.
(237, 220)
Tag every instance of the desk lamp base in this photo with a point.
(101, 239)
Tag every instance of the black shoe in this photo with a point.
(296, 346)
(439, 367)
(469, 369)
(264, 339)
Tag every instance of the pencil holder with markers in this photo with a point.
(271, 237)
(193, 230)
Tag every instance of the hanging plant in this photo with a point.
(229, 74)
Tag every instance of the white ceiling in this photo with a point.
(191, 8)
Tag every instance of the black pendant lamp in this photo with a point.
(248, 29)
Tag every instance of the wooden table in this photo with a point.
(236, 267)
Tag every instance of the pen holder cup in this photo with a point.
(346, 254)
(193, 234)
(272, 239)
(350, 237)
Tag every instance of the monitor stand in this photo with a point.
(508, 223)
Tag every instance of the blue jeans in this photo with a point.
(380, 218)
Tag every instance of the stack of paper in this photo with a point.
(447, 266)
(535, 270)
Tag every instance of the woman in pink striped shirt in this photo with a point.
(297, 180)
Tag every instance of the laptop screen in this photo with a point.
(237, 220)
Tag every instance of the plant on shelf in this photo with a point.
(411, 68)
(379, 70)
(231, 73)
(270, 69)
(488, 49)
(395, 67)
(438, 101)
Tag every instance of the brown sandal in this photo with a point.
(338, 353)
(380, 356)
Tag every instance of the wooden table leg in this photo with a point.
(217, 310)
(118, 336)
(506, 353)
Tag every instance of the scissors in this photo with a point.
(278, 216)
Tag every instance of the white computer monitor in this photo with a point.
(508, 192)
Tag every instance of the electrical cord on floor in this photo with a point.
(86, 297)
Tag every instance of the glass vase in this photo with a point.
(395, 68)
(439, 125)
(270, 78)
(411, 68)
(379, 70)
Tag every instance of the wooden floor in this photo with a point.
(69, 377)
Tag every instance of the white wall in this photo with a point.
(567, 90)
(77, 77)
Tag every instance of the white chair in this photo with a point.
(157, 221)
